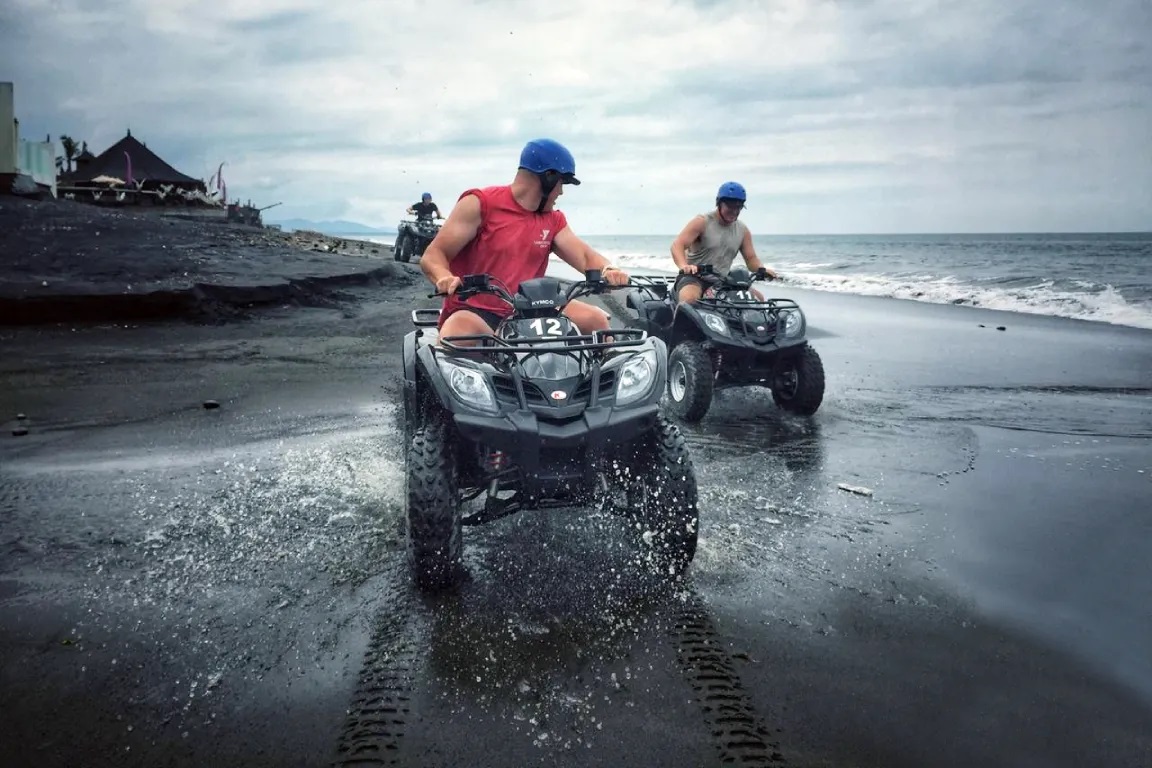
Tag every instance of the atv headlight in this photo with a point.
(793, 322)
(636, 377)
(716, 323)
(467, 384)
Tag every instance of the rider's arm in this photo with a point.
(462, 225)
(438, 214)
(583, 257)
(748, 251)
(690, 234)
(409, 209)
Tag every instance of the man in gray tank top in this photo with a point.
(714, 238)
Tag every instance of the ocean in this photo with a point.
(1100, 277)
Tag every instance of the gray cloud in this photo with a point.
(841, 116)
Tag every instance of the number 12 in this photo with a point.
(553, 326)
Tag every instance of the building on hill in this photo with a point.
(134, 165)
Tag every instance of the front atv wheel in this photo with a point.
(799, 383)
(402, 251)
(662, 498)
(435, 540)
(690, 381)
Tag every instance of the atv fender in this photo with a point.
(687, 325)
(410, 374)
(635, 301)
(425, 366)
(653, 315)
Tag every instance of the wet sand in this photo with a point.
(183, 586)
(1001, 616)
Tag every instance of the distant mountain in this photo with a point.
(329, 227)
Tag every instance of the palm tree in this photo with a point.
(70, 152)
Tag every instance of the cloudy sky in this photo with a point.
(839, 116)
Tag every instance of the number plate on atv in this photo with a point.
(538, 327)
(732, 296)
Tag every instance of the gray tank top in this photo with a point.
(718, 243)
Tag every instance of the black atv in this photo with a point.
(729, 338)
(412, 237)
(539, 415)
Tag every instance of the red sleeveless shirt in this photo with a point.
(512, 245)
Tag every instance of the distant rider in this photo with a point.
(425, 208)
(714, 238)
(508, 232)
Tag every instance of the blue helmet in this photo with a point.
(730, 190)
(543, 155)
(426, 196)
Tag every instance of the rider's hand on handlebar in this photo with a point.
(615, 276)
(448, 284)
(767, 273)
(688, 269)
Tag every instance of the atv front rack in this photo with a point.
(489, 344)
(514, 387)
(767, 305)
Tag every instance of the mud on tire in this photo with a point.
(435, 540)
(799, 387)
(690, 381)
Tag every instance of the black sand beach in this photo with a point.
(63, 261)
(182, 585)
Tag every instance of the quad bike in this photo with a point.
(729, 338)
(539, 415)
(413, 236)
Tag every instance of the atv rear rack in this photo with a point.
(660, 287)
(425, 318)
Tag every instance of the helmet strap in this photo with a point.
(548, 182)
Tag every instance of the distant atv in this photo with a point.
(539, 415)
(729, 338)
(413, 236)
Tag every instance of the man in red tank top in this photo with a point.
(508, 232)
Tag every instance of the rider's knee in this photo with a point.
(464, 323)
(688, 294)
(587, 317)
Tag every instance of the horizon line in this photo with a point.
(890, 234)
(389, 229)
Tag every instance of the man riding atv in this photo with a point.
(412, 237)
(508, 232)
(425, 208)
(526, 398)
(714, 238)
(720, 331)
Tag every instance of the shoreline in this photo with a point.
(783, 289)
(69, 262)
